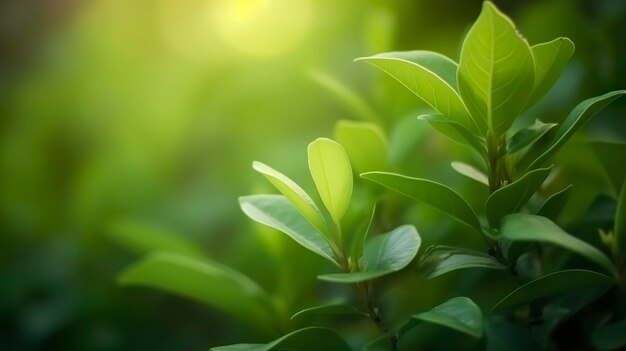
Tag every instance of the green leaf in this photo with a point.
(381, 343)
(330, 168)
(205, 281)
(512, 197)
(441, 259)
(496, 71)
(430, 76)
(550, 59)
(459, 313)
(435, 194)
(307, 339)
(470, 171)
(620, 222)
(143, 238)
(553, 206)
(358, 106)
(612, 156)
(384, 254)
(579, 115)
(357, 246)
(365, 144)
(610, 336)
(528, 227)
(298, 197)
(527, 136)
(456, 132)
(278, 212)
(552, 284)
(333, 309)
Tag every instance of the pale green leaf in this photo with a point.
(144, 237)
(470, 171)
(279, 213)
(205, 281)
(553, 284)
(456, 132)
(553, 206)
(496, 71)
(430, 76)
(332, 309)
(441, 259)
(527, 136)
(533, 228)
(331, 171)
(579, 115)
(365, 144)
(307, 339)
(550, 58)
(459, 313)
(435, 194)
(512, 197)
(298, 197)
(383, 255)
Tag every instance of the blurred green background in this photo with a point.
(149, 113)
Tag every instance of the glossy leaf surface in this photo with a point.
(527, 136)
(459, 313)
(383, 254)
(331, 171)
(435, 194)
(554, 205)
(496, 71)
(455, 132)
(278, 212)
(550, 59)
(470, 171)
(441, 259)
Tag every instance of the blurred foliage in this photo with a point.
(144, 116)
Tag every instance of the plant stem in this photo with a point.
(364, 290)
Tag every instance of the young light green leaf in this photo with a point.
(459, 313)
(430, 76)
(496, 71)
(553, 206)
(552, 284)
(579, 115)
(512, 197)
(307, 339)
(620, 222)
(365, 144)
(383, 255)
(456, 132)
(331, 171)
(470, 171)
(435, 194)
(349, 98)
(441, 259)
(527, 136)
(550, 58)
(144, 238)
(333, 309)
(610, 336)
(528, 227)
(612, 156)
(298, 197)
(205, 281)
(279, 213)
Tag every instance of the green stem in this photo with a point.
(365, 291)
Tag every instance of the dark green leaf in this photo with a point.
(620, 222)
(552, 284)
(496, 71)
(610, 336)
(205, 281)
(382, 343)
(512, 197)
(333, 309)
(579, 115)
(144, 238)
(528, 227)
(470, 172)
(613, 159)
(430, 76)
(459, 313)
(435, 194)
(455, 132)
(441, 259)
(307, 339)
(383, 254)
(279, 213)
(553, 206)
(550, 59)
(365, 144)
(527, 136)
